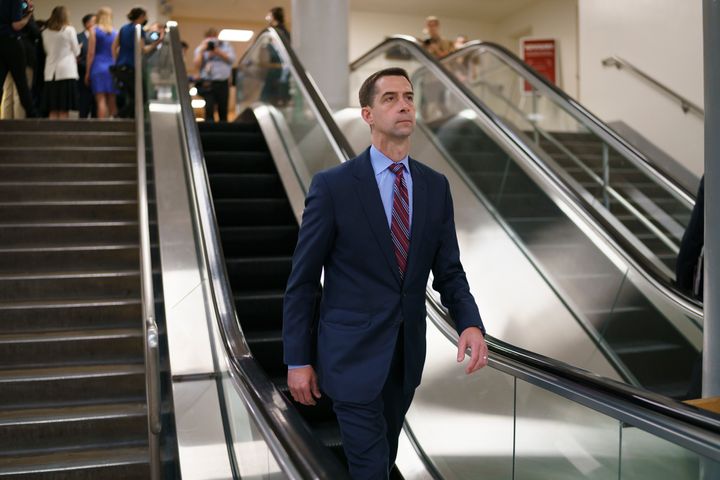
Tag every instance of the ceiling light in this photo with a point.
(231, 35)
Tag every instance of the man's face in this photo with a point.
(90, 23)
(392, 111)
(433, 28)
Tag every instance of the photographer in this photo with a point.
(124, 53)
(14, 16)
(214, 60)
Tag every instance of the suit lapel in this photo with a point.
(419, 187)
(367, 190)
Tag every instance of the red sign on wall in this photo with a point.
(540, 54)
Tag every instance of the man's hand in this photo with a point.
(473, 339)
(303, 385)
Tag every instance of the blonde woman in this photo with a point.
(61, 50)
(99, 61)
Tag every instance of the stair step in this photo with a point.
(23, 191)
(26, 431)
(245, 141)
(239, 162)
(266, 347)
(259, 240)
(255, 211)
(29, 234)
(64, 314)
(54, 211)
(246, 185)
(117, 463)
(72, 154)
(72, 385)
(99, 345)
(68, 172)
(67, 139)
(69, 126)
(98, 284)
(258, 273)
(260, 310)
(71, 257)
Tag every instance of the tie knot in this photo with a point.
(397, 168)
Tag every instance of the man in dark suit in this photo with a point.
(377, 225)
(86, 101)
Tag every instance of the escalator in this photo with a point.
(538, 417)
(654, 207)
(258, 231)
(588, 253)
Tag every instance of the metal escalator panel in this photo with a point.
(511, 420)
(650, 339)
(619, 181)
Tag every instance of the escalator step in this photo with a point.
(255, 211)
(233, 185)
(248, 241)
(239, 162)
(231, 127)
(258, 273)
(247, 141)
(260, 311)
(267, 348)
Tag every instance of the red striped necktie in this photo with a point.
(400, 223)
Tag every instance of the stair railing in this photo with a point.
(686, 105)
(151, 336)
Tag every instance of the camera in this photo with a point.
(153, 36)
(27, 7)
(210, 46)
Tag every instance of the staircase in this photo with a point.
(642, 339)
(72, 374)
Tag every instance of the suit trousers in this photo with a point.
(370, 431)
(217, 97)
(12, 61)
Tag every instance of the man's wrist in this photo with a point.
(293, 367)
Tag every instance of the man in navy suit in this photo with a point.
(377, 225)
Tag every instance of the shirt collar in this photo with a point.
(380, 162)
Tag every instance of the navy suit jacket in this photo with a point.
(345, 232)
(82, 58)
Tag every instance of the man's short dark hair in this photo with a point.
(136, 13)
(367, 90)
(87, 18)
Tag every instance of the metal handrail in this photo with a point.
(296, 450)
(151, 334)
(581, 114)
(624, 246)
(685, 104)
(682, 424)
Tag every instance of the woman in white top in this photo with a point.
(61, 73)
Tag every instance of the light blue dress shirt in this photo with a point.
(216, 68)
(385, 181)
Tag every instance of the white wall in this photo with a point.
(662, 38)
(78, 9)
(367, 29)
(547, 19)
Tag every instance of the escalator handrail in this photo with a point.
(583, 115)
(590, 215)
(298, 451)
(309, 88)
(667, 418)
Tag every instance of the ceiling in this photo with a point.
(254, 10)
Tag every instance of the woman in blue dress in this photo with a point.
(99, 61)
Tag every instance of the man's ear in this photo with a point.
(367, 115)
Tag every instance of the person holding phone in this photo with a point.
(214, 59)
(124, 53)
